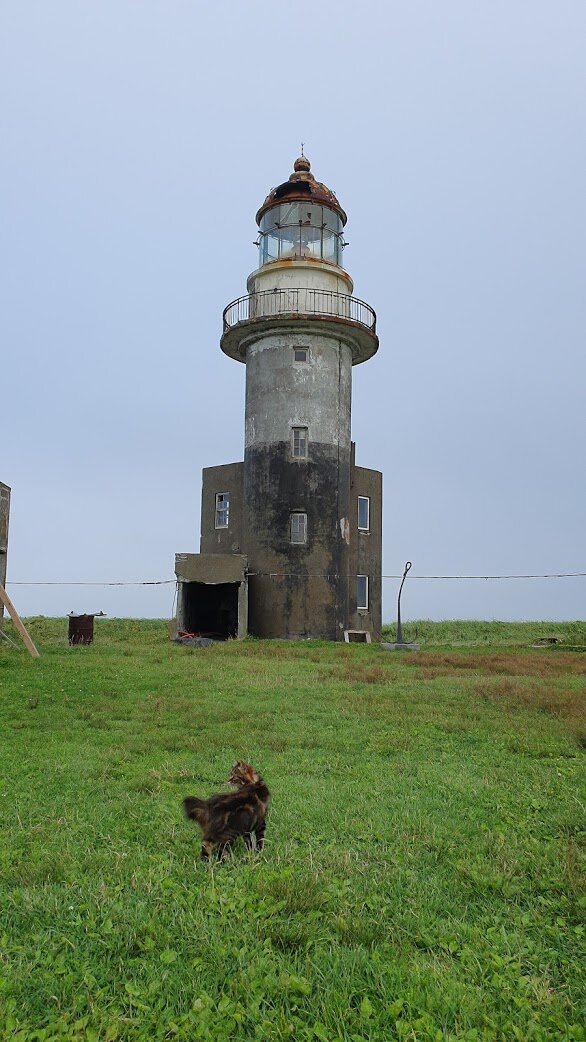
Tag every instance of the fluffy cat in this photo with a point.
(225, 817)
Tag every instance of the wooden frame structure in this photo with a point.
(5, 601)
(18, 623)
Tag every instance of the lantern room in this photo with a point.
(301, 219)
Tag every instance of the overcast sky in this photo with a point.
(138, 140)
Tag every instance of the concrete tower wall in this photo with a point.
(282, 393)
(300, 589)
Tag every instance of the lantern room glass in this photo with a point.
(301, 229)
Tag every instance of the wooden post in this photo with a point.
(19, 624)
(4, 518)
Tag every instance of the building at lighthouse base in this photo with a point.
(236, 586)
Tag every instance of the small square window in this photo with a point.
(222, 509)
(363, 514)
(301, 354)
(362, 592)
(299, 442)
(298, 528)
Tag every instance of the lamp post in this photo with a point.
(399, 644)
(399, 627)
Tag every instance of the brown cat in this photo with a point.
(225, 817)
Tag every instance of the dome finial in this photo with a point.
(302, 165)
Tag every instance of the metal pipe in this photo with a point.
(399, 628)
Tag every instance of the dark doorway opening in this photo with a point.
(211, 609)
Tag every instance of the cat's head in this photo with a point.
(243, 774)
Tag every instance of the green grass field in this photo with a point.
(422, 876)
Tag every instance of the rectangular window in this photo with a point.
(222, 509)
(362, 592)
(301, 354)
(298, 528)
(363, 514)
(299, 443)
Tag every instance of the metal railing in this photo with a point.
(299, 301)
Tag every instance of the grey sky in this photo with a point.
(139, 139)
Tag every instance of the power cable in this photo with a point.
(304, 575)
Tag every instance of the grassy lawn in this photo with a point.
(425, 848)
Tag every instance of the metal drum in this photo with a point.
(81, 629)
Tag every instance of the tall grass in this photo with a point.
(469, 633)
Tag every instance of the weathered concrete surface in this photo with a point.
(282, 394)
(211, 568)
(366, 550)
(314, 274)
(227, 478)
(297, 590)
(4, 519)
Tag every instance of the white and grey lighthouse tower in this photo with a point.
(304, 518)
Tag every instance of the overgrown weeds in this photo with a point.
(546, 663)
(561, 702)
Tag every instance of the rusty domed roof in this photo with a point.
(302, 186)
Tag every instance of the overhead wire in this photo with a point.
(298, 575)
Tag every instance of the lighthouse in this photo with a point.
(300, 520)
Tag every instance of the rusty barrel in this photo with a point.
(81, 629)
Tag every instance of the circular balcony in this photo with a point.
(336, 314)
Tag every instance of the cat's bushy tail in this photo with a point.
(195, 809)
